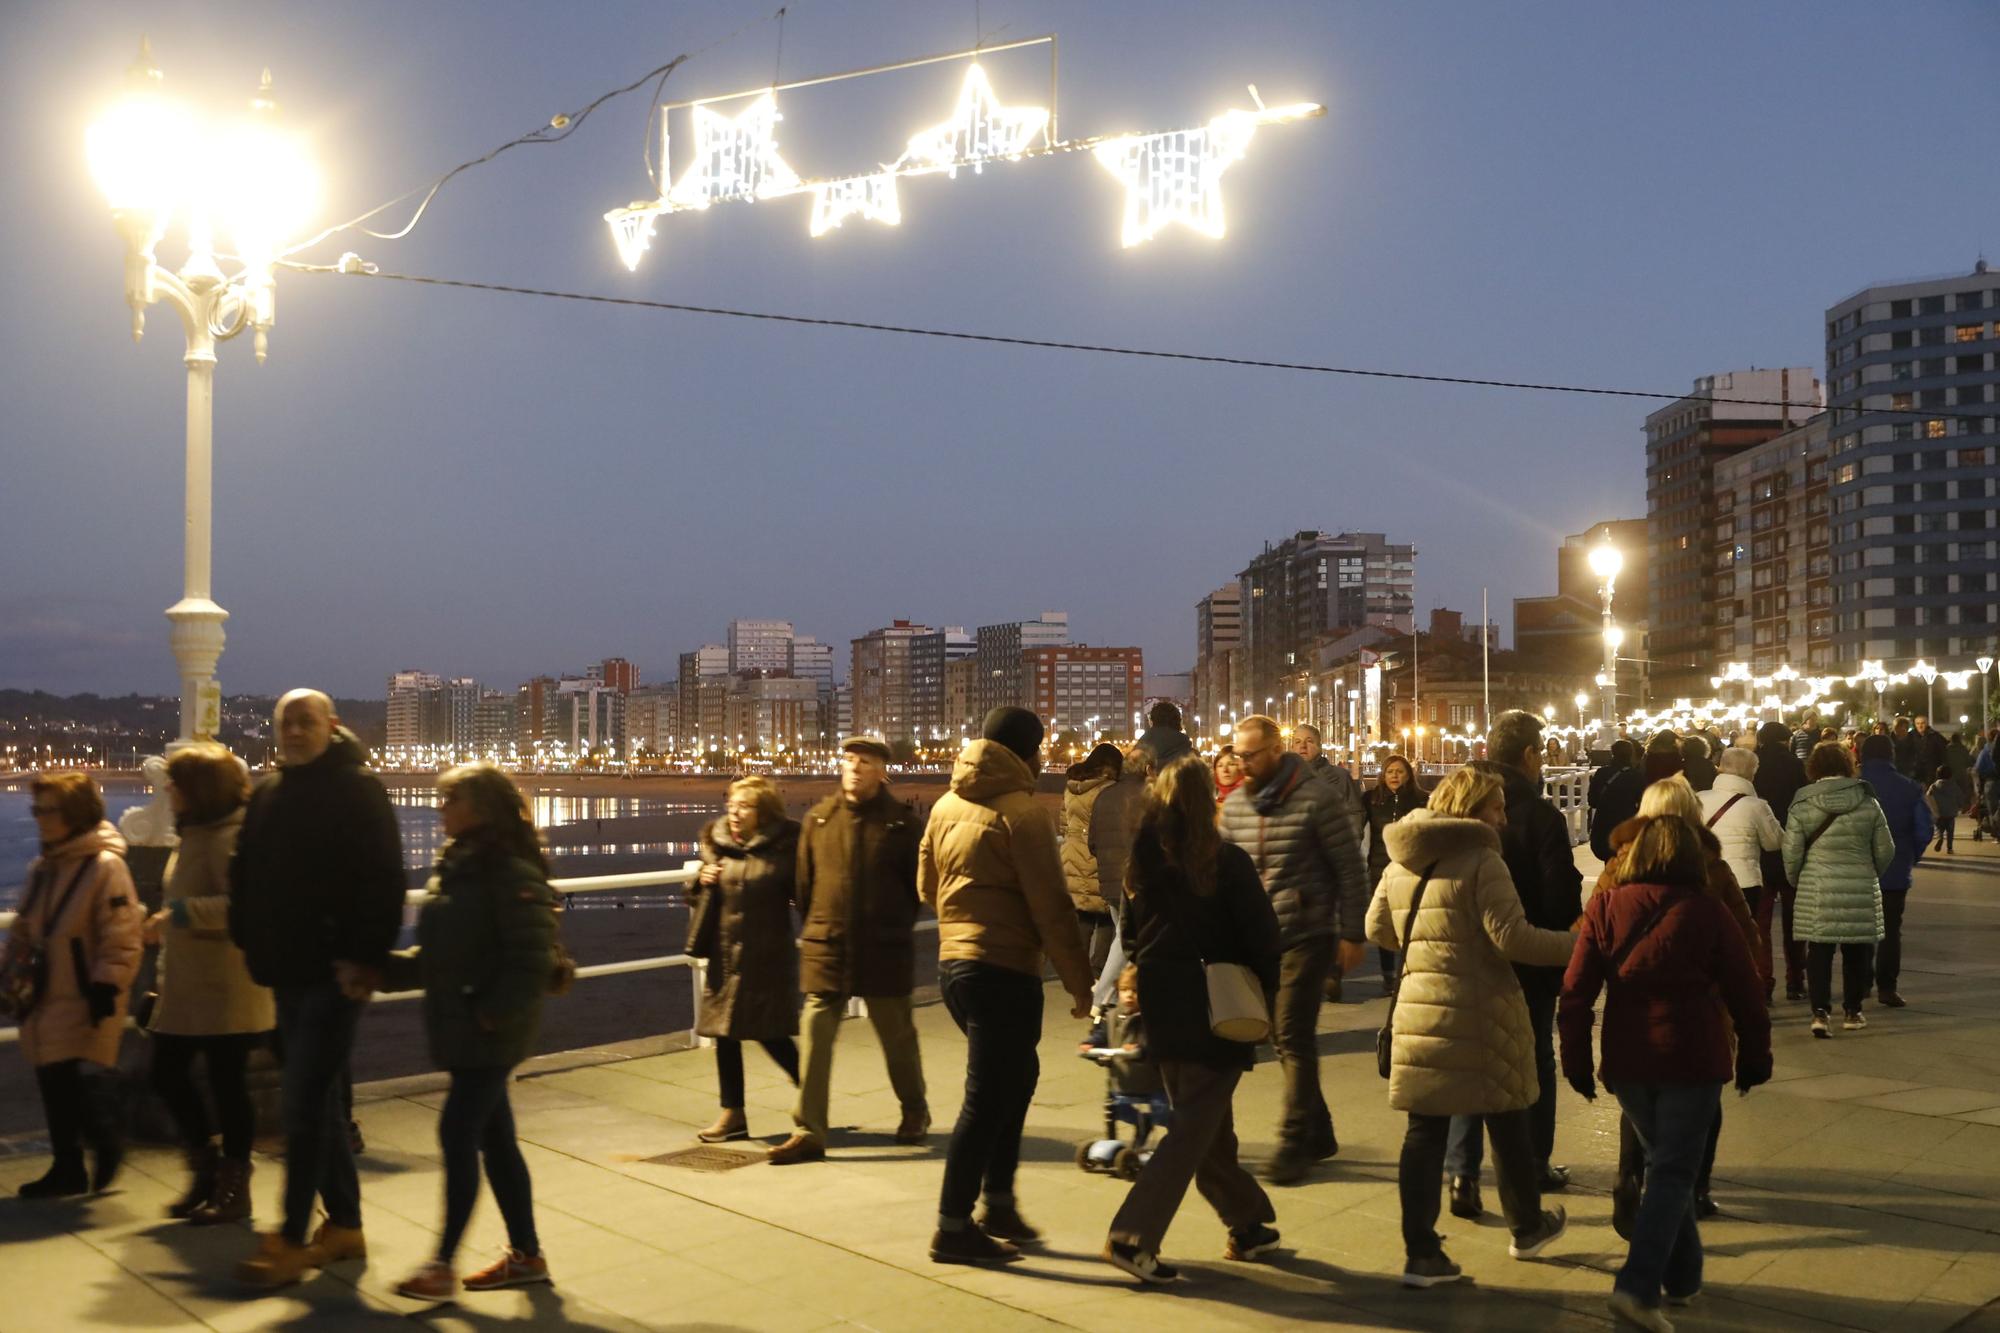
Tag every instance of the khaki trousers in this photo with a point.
(819, 1028)
(1200, 1148)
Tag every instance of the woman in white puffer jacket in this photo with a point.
(1743, 823)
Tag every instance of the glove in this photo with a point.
(1585, 1085)
(1750, 1075)
(102, 997)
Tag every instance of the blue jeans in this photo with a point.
(1000, 1012)
(1464, 1152)
(316, 1031)
(1672, 1120)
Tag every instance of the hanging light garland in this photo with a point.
(1170, 177)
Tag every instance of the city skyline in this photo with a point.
(558, 474)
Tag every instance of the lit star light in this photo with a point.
(734, 158)
(980, 129)
(632, 231)
(1177, 176)
(872, 197)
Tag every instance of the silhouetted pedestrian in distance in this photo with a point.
(1909, 815)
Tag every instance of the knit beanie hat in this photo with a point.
(1017, 729)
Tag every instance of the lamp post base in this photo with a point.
(197, 639)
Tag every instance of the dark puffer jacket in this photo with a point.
(1170, 931)
(752, 989)
(486, 944)
(1300, 836)
(857, 896)
(318, 872)
(1536, 847)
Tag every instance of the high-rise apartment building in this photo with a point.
(704, 686)
(762, 646)
(652, 718)
(417, 712)
(619, 674)
(1218, 640)
(769, 712)
(535, 714)
(958, 681)
(1722, 416)
(931, 655)
(881, 681)
(1075, 687)
(461, 702)
(590, 715)
(1773, 554)
(493, 724)
(812, 660)
(1913, 369)
(1314, 584)
(1000, 681)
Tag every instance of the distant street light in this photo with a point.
(1985, 664)
(152, 161)
(1927, 673)
(1606, 561)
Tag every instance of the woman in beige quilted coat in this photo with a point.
(1461, 1043)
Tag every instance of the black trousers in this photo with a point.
(74, 1107)
(224, 1060)
(1889, 954)
(1855, 964)
(1000, 1012)
(729, 1066)
(1420, 1176)
(478, 1123)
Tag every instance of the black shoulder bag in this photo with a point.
(24, 969)
(1384, 1040)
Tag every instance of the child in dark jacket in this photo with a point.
(1130, 1072)
(1945, 796)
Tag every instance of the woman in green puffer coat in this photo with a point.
(1837, 844)
(486, 953)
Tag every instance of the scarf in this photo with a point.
(1272, 794)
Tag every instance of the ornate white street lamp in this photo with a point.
(1985, 664)
(1927, 673)
(153, 161)
(1606, 561)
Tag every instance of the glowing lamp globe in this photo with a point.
(138, 149)
(1614, 637)
(1606, 560)
(1985, 664)
(263, 189)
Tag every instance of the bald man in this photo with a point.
(316, 901)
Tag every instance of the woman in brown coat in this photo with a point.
(742, 926)
(1461, 1041)
(208, 1006)
(81, 911)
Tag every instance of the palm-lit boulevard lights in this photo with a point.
(1171, 177)
(156, 161)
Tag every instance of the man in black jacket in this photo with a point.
(1614, 795)
(316, 901)
(1535, 844)
(1780, 774)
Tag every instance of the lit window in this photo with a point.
(1934, 429)
(1971, 333)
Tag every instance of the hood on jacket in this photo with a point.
(1078, 786)
(104, 838)
(1424, 836)
(986, 769)
(345, 750)
(1626, 833)
(1836, 796)
(1772, 735)
(718, 836)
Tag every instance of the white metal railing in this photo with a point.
(645, 879)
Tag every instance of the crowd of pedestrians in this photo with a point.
(1222, 898)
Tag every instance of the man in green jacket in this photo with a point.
(856, 891)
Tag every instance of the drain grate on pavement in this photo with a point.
(706, 1159)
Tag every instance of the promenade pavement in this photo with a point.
(1861, 1190)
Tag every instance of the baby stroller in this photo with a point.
(1133, 1095)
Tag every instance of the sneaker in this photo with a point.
(1554, 1222)
(1853, 1022)
(1431, 1270)
(1252, 1243)
(729, 1126)
(1819, 1024)
(58, 1182)
(915, 1127)
(1705, 1206)
(1629, 1309)
(1004, 1222)
(332, 1244)
(801, 1147)
(1287, 1166)
(512, 1269)
(970, 1246)
(433, 1282)
(1554, 1177)
(1683, 1300)
(277, 1263)
(1465, 1200)
(1625, 1197)
(1891, 999)
(1141, 1264)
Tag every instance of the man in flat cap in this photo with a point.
(857, 895)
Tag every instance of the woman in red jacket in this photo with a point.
(1662, 949)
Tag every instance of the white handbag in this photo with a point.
(1236, 1010)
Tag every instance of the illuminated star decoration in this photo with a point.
(1177, 176)
(734, 158)
(632, 231)
(872, 197)
(980, 129)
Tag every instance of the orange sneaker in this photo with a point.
(512, 1269)
(277, 1263)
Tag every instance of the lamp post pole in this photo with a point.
(1985, 664)
(1606, 561)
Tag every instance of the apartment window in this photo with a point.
(1934, 429)
(1900, 339)
(1970, 365)
(1899, 309)
(1930, 305)
(1971, 333)
(1899, 402)
(1845, 474)
(1972, 457)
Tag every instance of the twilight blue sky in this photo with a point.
(497, 486)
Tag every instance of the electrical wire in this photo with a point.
(1106, 349)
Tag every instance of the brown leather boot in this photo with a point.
(230, 1199)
